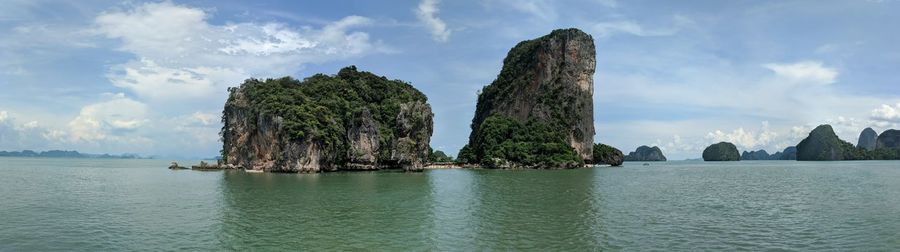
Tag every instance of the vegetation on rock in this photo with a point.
(321, 110)
(605, 154)
(823, 144)
(645, 154)
(723, 151)
(534, 144)
(438, 157)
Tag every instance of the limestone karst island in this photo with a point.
(439, 125)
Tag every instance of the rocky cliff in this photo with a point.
(789, 153)
(545, 88)
(756, 155)
(350, 121)
(605, 154)
(889, 139)
(646, 153)
(867, 139)
(823, 144)
(723, 151)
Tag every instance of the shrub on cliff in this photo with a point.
(534, 143)
(438, 157)
(605, 154)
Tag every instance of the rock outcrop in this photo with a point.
(867, 139)
(412, 136)
(723, 151)
(364, 143)
(889, 139)
(175, 166)
(789, 153)
(605, 154)
(823, 144)
(756, 155)
(351, 121)
(545, 86)
(646, 154)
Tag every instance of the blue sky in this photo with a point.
(149, 77)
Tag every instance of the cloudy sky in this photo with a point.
(151, 77)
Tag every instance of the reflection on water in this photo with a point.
(103, 205)
(361, 210)
(525, 210)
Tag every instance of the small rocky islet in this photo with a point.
(607, 155)
(722, 151)
(646, 154)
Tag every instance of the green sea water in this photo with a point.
(139, 205)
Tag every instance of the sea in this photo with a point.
(57, 204)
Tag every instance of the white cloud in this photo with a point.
(541, 9)
(152, 81)
(887, 113)
(427, 14)
(30, 135)
(182, 56)
(204, 118)
(812, 72)
(678, 145)
(108, 119)
(609, 29)
(743, 138)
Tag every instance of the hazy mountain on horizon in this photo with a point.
(69, 154)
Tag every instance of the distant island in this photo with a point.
(789, 153)
(67, 154)
(608, 155)
(723, 151)
(646, 154)
(822, 144)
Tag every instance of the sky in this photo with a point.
(150, 77)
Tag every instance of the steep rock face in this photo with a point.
(889, 139)
(414, 124)
(723, 151)
(646, 154)
(867, 139)
(364, 141)
(351, 121)
(789, 153)
(823, 144)
(256, 141)
(605, 154)
(756, 155)
(546, 84)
